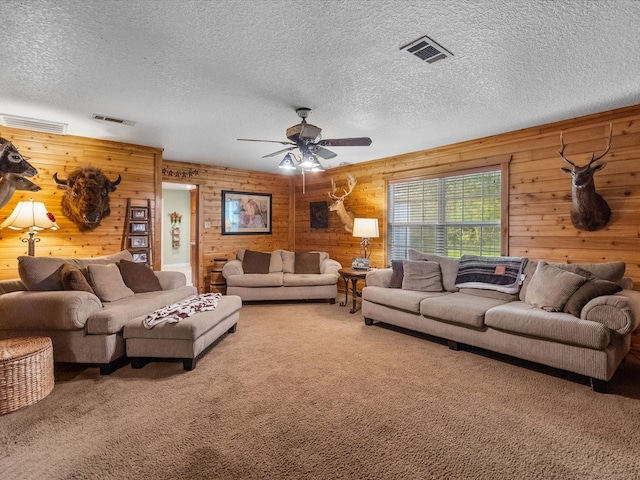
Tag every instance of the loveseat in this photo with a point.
(282, 275)
(574, 317)
(83, 304)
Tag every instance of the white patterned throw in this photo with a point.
(177, 311)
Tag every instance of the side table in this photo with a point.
(351, 275)
(217, 283)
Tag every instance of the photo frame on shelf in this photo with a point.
(141, 257)
(138, 213)
(246, 213)
(139, 227)
(139, 241)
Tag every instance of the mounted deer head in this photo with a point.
(589, 211)
(337, 203)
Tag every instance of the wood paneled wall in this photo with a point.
(50, 153)
(211, 181)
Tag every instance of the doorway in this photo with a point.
(179, 246)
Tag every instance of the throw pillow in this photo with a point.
(256, 262)
(551, 287)
(307, 263)
(612, 271)
(397, 274)
(288, 261)
(138, 277)
(421, 276)
(73, 279)
(448, 266)
(41, 273)
(107, 282)
(587, 292)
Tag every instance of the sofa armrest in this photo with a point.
(171, 280)
(619, 312)
(379, 277)
(55, 310)
(232, 267)
(330, 266)
(13, 285)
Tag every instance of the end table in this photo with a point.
(352, 275)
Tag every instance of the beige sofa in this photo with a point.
(592, 338)
(85, 327)
(282, 275)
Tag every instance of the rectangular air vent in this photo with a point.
(105, 118)
(427, 49)
(36, 124)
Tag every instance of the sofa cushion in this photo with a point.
(448, 267)
(587, 292)
(73, 279)
(288, 261)
(138, 277)
(107, 282)
(397, 275)
(256, 280)
(612, 271)
(43, 273)
(502, 274)
(406, 300)
(524, 319)
(423, 276)
(308, 279)
(307, 263)
(551, 287)
(256, 262)
(459, 308)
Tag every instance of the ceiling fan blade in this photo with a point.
(270, 141)
(322, 152)
(346, 142)
(279, 152)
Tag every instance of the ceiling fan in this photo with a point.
(308, 140)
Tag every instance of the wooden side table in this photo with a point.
(351, 275)
(217, 284)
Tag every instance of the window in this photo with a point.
(447, 216)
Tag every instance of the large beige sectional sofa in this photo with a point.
(282, 275)
(555, 314)
(85, 327)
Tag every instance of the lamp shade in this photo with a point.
(31, 215)
(287, 162)
(365, 227)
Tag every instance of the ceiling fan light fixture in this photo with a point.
(287, 162)
(310, 162)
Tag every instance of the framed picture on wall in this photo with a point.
(319, 214)
(246, 213)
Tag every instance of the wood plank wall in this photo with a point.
(63, 153)
(211, 181)
(539, 198)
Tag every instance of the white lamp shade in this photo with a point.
(30, 215)
(365, 227)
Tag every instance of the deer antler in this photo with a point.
(351, 182)
(593, 155)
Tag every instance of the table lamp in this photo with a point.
(31, 215)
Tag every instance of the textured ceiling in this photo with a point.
(197, 75)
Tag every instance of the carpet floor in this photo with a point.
(307, 391)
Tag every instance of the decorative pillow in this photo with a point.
(503, 274)
(551, 287)
(276, 262)
(288, 261)
(256, 262)
(73, 279)
(397, 274)
(587, 292)
(41, 273)
(307, 263)
(138, 277)
(448, 266)
(612, 271)
(421, 275)
(107, 282)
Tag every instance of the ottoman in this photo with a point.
(26, 371)
(184, 340)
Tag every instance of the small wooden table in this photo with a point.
(353, 275)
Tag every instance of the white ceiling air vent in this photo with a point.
(33, 124)
(426, 49)
(105, 118)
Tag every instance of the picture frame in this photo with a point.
(318, 215)
(141, 256)
(246, 213)
(138, 213)
(138, 227)
(139, 241)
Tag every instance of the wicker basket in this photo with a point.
(26, 371)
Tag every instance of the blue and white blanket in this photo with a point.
(503, 274)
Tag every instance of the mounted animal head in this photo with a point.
(11, 161)
(337, 203)
(86, 198)
(10, 182)
(589, 211)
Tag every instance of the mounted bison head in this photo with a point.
(12, 162)
(86, 199)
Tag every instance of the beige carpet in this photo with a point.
(308, 391)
